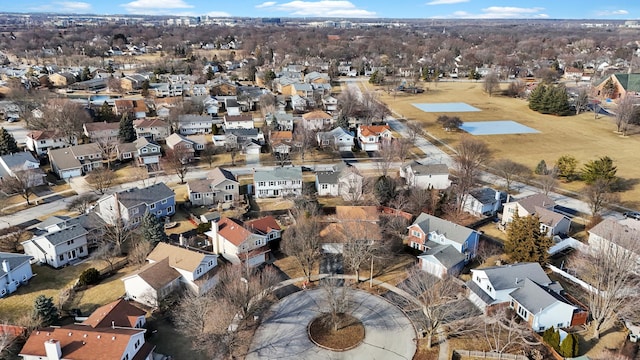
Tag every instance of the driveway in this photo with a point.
(389, 334)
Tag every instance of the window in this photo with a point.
(229, 187)
(228, 197)
(272, 183)
(170, 209)
(62, 257)
(136, 220)
(325, 186)
(152, 206)
(70, 242)
(126, 357)
(260, 183)
(416, 233)
(164, 201)
(81, 250)
(258, 242)
(134, 211)
(159, 212)
(197, 196)
(137, 343)
(559, 325)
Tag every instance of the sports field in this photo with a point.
(582, 136)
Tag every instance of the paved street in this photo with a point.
(283, 335)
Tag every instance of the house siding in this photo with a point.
(21, 274)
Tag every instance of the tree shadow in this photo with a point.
(623, 184)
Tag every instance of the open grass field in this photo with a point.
(582, 136)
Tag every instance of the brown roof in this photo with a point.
(118, 313)
(150, 122)
(219, 175)
(82, 342)
(180, 258)
(229, 118)
(264, 225)
(367, 130)
(529, 203)
(168, 100)
(232, 231)
(43, 134)
(316, 115)
(101, 126)
(369, 213)
(344, 231)
(202, 186)
(276, 136)
(135, 105)
(158, 274)
(548, 217)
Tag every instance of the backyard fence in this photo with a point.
(488, 355)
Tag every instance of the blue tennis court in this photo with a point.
(496, 128)
(446, 107)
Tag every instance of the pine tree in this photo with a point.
(126, 132)
(541, 168)
(569, 346)
(554, 340)
(385, 189)
(601, 169)
(8, 143)
(536, 96)
(152, 229)
(525, 240)
(44, 309)
(86, 74)
(105, 113)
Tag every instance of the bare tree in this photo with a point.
(361, 241)
(387, 153)
(599, 196)
(624, 114)
(510, 170)
(138, 251)
(245, 289)
(63, 116)
(108, 149)
(301, 240)
(611, 268)
(471, 155)
(177, 162)
(548, 181)
(10, 238)
(491, 83)
(487, 249)
(504, 332)
(81, 203)
(304, 140)
(338, 301)
(22, 182)
(101, 179)
(209, 153)
(582, 100)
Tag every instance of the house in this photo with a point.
(350, 224)
(58, 247)
(79, 342)
(169, 268)
(251, 147)
(338, 139)
(130, 205)
(194, 124)
(551, 223)
(145, 152)
(371, 136)
(526, 289)
(431, 235)
(330, 104)
(315, 77)
(279, 182)
(62, 79)
(620, 85)
(15, 271)
(240, 242)
(21, 161)
(298, 103)
(75, 160)
(484, 201)
(132, 82)
(102, 131)
(317, 120)
(344, 181)
(152, 128)
(137, 108)
(426, 176)
(238, 122)
(220, 186)
(90, 221)
(120, 313)
(181, 145)
(280, 141)
(283, 121)
(610, 233)
(40, 141)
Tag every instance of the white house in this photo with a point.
(344, 181)
(317, 120)
(484, 201)
(152, 128)
(283, 121)
(279, 182)
(58, 247)
(15, 271)
(102, 131)
(238, 122)
(21, 161)
(338, 139)
(40, 141)
(370, 137)
(195, 124)
(430, 176)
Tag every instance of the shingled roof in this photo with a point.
(118, 313)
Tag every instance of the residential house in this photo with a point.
(280, 141)
(279, 182)
(238, 122)
(220, 186)
(181, 145)
(317, 120)
(610, 233)
(299, 104)
(224, 88)
(21, 161)
(211, 105)
(315, 77)
(237, 138)
(120, 313)
(330, 104)
(75, 160)
(431, 235)
(130, 205)
(240, 242)
(251, 147)
(283, 121)
(58, 247)
(484, 201)
(152, 128)
(194, 124)
(426, 176)
(338, 139)
(344, 181)
(132, 82)
(161, 90)
(90, 221)
(137, 108)
(526, 289)
(79, 342)
(371, 136)
(40, 141)
(231, 105)
(102, 131)
(350, 224)
(551, 223)
(622, 84)
(169, 268)
(144, 151)
(15, 271)
(62, 79)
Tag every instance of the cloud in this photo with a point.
(72, 6)
(322, 8)
(155, 7)
(218, 14)
(446, 2)
(500, 12)
(611, 12)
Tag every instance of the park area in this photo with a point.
(581, 136)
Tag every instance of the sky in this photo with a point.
(441, 9)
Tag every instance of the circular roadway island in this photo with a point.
(285, 333)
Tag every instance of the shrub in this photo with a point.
(89, 277)
(569, 346)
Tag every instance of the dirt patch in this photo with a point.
(346, 334)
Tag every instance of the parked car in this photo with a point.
(632, 215)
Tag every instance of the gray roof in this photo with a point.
(65, 234)
(430, 169)
(535, 297)
(200, 186)
(473, 287)
(529, 203)
(67, 158)
(243, 132)
(484, 195)
(452, 231)
(143, 141)
(51, 220)
(219, 175)
(548, 217)
(279, 173)
(136, 196)
(194, 118)
(337, 132)
(447, 255)
(14, 260)
(615, 232)
(327, 177)
(18, 159)
(504, 277)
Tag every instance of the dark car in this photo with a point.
(632, 215)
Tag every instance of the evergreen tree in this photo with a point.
(86, 74)
(569, 346)
(525, 241)
(554, 339)
(385, 189)
(548, 334)
(152, 229)
(343, 122)
(559, 104)
(8, 143)
(105, 113)
(189, 70)
(44, 308)
(144, 91)
(566, 165)
(601, 169)
(376, 78)
(126, 132)
(541, 168)
(536, 96)
(210, 73)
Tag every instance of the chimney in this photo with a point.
(7, 268)
(181, 240)
(214, 235)
(113, 324)
(516, 281)
(52, 349)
